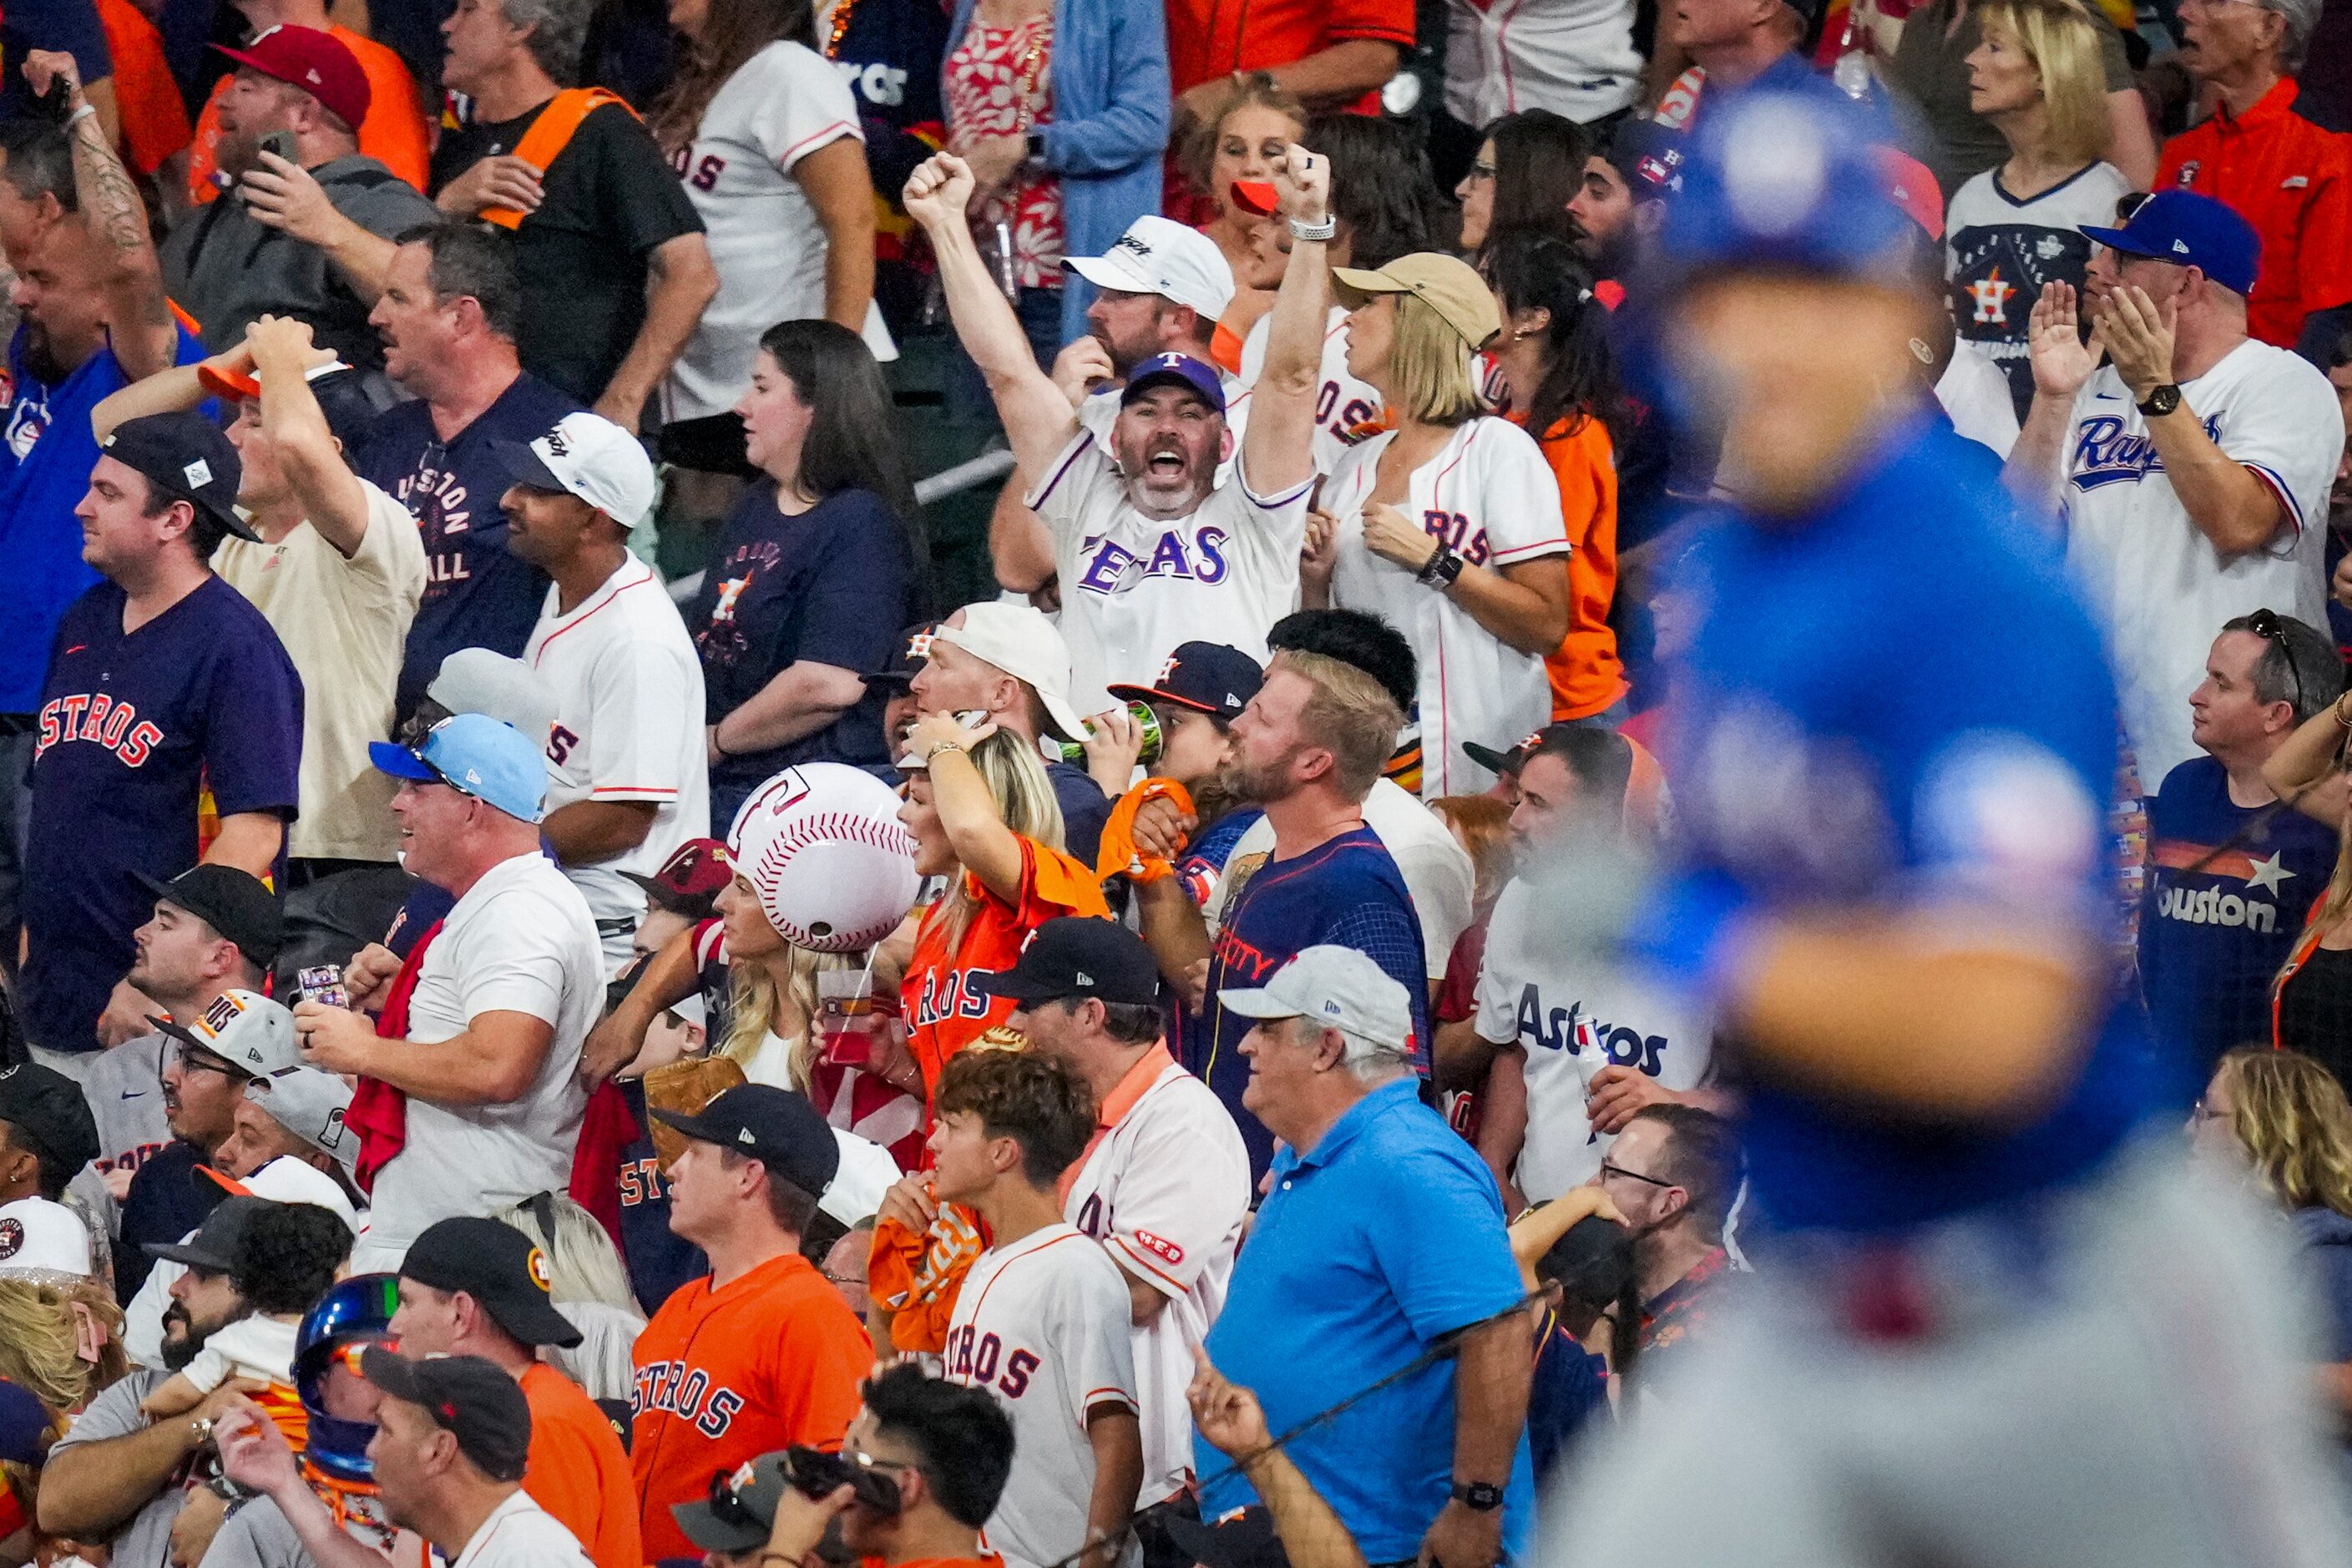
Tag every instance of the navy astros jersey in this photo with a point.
(132, 730)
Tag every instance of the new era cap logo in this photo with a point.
(311, 75)
(1083, 978)
(2181, 246)
(1331, 1008)
(198, 474)
(743, 1135)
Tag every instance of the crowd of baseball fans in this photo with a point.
(569, 997)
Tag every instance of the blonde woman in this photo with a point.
(46, 1324)
(983, 816)
(2035, 74)
(589, 1285)
(1245, 138)
(1448, 525)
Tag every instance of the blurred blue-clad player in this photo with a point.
(1997, 1319)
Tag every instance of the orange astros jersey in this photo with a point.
(723, 1376)
(943, 1014)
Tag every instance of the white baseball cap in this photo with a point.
(38, 1238)
(1160, 255)
(311, 1105)
(1337, 986)
(476, 680)
(864, 1173)
(244, 1029)
(590, 456)
(1019, 640)
(289, 1180)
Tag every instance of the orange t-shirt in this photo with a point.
(154, 121)
(943, 1014)
(1586, 674)
(724, 1376)
(578, 1471)
(1209, 38)
(392, 133)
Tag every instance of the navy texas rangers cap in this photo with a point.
(478, 1401)
(1206, 677)
(775, 1126)
(499, 1267)
(2189, 230)
(1077, 956)
(1184, 368)
(185, 455)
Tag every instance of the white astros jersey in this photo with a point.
(1575, 58)
(1574, 1013)
(2160, 588)
(1490, 496)
(628, 703)
(1341, 402)
(1042, 1324)
(1134, 588)
(1166, 1191)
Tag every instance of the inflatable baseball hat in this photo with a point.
(822, 845)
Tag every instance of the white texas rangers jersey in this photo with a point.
(1575, 58)
(1489, 496)
(628, 697)
(1574, 1015)
(1341, 402)
(1042, 1324)
(1166, 1191)
(2161, 586)
(1133, 588)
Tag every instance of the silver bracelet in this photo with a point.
(1317, 231)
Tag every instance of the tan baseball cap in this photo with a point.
(1446, 284)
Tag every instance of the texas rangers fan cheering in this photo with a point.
(1150, 550)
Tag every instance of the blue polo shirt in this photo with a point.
(1384, 1237)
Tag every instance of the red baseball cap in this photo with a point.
(317, 63)
(1911, 185)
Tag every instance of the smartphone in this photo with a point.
(816, 1474)
(280, 143)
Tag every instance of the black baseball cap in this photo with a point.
(49, 1111)
(1077, 956)
(498, 1266)
(215, 1241)
(1206, 677)
(185, 455)
(233, 902)
(775, 1126)
(914, 651)
(466, 1396)
(1242, 1539)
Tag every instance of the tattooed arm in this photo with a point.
(119, 244)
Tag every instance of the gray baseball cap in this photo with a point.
(476, 680)
(1337, 986)
(311, 1105)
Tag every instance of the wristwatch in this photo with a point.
(2160, 400)
(1324, 230)
(1478, 1496)
(1443, 568)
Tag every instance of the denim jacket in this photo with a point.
(1110, 71)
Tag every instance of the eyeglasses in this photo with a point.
(1608, 1169)
(177, 1053)
(2265, 623)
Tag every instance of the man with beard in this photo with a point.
(253, 253)
(1150, 551)
(1308, 749)
(92, 320)
(1622, 198)
(116, 1479)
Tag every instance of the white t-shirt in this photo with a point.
(1493, 495)
(519, 1533)
(519, 941)
(780, 105)
(1166, 1192)
(345, 623)
(1042, 1324)
(628, 726)
(1341, 402)
(2161, 586)
(1133, 589)
(1975, 394)
(1575, 58)
(256, 1346)
(1536, 990)
(1437, 868)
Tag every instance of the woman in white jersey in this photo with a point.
(2036, 75)
(1447, 525)
(765, 133)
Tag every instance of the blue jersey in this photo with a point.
(45, 463)
(1895, 701)
(133, 730)
(2219, 913)
(475, 595)
(1346, 891)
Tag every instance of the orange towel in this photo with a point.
(917, 1278)
(1118, 857)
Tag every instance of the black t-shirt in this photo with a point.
(834, 584)
(167, 1199)
(2315, 1011)
(609, 200)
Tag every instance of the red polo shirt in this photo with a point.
(2291, 180)
(1209, 38)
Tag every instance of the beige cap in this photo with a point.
(1446, 284)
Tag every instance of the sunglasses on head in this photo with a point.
(2265, 625)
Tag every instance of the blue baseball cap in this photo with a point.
(1792, 181)
(2189, 230)
(474, 754)
(1201, 378)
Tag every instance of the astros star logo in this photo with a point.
(2268, 873)
(1991, 295)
